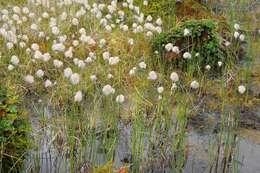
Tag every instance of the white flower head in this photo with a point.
(15, 60)
(16, 9)
(120, 98)
(169, 47)
(237, 26)
(187, 55)
(242, 37)
(208, 67)
(58, 47)
(107, 90)
(160, 89)
(176, 49)
(75, 43)
(130, 41)
(132, 72)
(75, 78)
(25, 10)
(68, 72)
(194, 85)
(39, 73)
(142, 65)
(9, 45)
(34, 27)
(186, 32)
(10, 67)
(55, 30)
(22, 44)
(93, 78)
(159, 21)
(220, 63)
(63, 16)
(108, 28)
(89, 60)
(241, 89)
(227, 43)
(37, 55)
(149, 18)
(29, 79)
(57, 63)
(78, 96)
(76, 61)
(110, 76)
(102, 43)
(174, 77)
(236, 35)
(124, 28)
(152, 75)
(106, 56)
(46, 57)
(82, 31)
(35, 46)
(48, 83)
(45, 15)
(113, 60)
(149, 34)
(69, 53)
(81, 64)
(75, 21)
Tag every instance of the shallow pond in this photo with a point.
(50, 158)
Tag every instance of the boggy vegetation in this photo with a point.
(201, 36)
(14, 131)
(119, 86)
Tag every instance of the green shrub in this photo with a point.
(204, 39)
(13, 133)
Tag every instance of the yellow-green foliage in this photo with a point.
(107, 168)
(10, 2)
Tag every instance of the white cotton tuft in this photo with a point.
(152, 75)
(174, 77)
(15, 60)
(39, 73)
(29, 79)
(107, 90)
(194, 85)
(78, 96)
(120, 98)
(241, 89)
(75, 78)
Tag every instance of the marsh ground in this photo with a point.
(212, 128)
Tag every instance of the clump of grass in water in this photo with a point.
(179, 141)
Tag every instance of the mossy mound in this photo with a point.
(204, 39)
(13, 133)
(210, 35)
